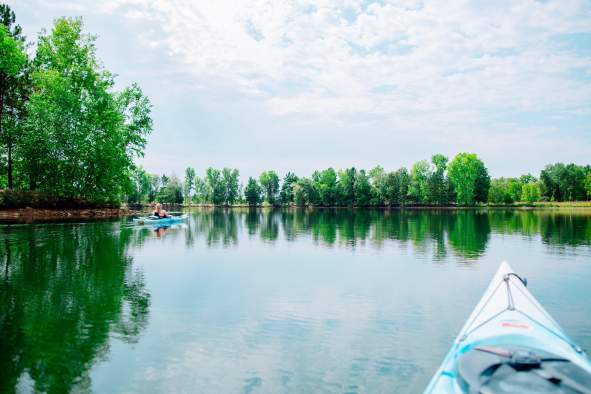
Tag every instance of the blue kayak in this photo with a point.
(160, 221)
(510, 344)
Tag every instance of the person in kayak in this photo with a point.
(159, 212)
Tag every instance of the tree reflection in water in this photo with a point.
(63, 292)
(465, 233)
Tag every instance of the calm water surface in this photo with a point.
(293, 301)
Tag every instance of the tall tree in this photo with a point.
(216, 189)
(362, 189)
(419, 181)
(325, 183)
(270, 184)
(482, 183)
(231, 184)
(377, 177)
(531, 192)
(286, 193)
(438, 187)
(587, 184)
(252, 192)
(346, 185)
(464, 171)
(189, 184)
(81, 137)
(14, 86)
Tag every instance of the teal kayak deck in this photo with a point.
(159, 222)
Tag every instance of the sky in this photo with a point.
(297, 85)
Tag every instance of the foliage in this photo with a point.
(419, 181)
(172, 193)
(587, 184)
(15, 87)
(438, 188)
(531, 192)
(230, 181)
(469, 177)
(325, 184)
(143, 189)
(561, 182)
(286, 193)
(269, 181)
(189, 184)
(252, 192)
(346, 184)
(81, 137)
(362, 189)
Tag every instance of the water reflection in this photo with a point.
(465, 233)
(64, 291)
(68, 291)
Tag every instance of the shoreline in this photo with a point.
(32, 214)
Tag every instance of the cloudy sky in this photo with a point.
(300, 85)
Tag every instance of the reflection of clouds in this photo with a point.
(330, 342)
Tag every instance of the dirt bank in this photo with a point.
(26, 214)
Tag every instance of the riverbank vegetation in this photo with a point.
(463, 181)
(66, 133)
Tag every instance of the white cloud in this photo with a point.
(395, 59)
(411, 77)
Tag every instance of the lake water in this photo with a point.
(261, 301)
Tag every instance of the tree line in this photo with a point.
(65, 131)
(463, 181)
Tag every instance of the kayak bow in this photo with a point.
(510, 344)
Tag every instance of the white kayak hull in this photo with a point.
(507, 315)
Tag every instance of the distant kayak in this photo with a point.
(152, 220)
(510, 344)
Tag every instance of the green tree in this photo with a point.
(252, 192)
(377, 177)
(497, 193)
(559, 182)
(587, 184)
(155, 183)
(437, 184)
(200, 195)
(14, 86)
(172, 193)
(346, 184)
(286, 193)
(513, 189)
(396, 187)
(304, 192)
(141, 186)
(482, 183)
(325, 183)
(464, 171)
(419, 181)
(216, 189)
(231, 184)
(270, 183)
(81, 137)
(362, 189)
(531, 192)
(189, 183)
